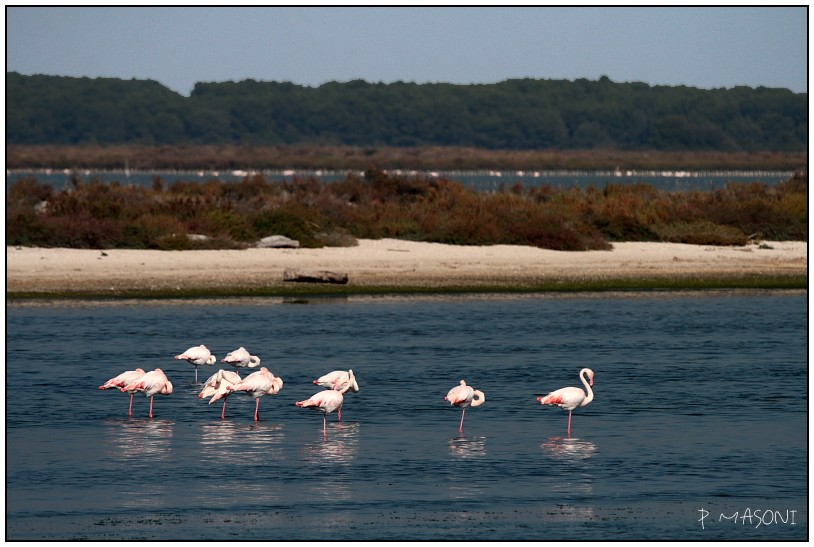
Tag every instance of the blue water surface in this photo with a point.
(699, 416)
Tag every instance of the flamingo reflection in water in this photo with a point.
(568, 448)
(467, 447)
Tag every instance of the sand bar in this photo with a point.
(388, 263)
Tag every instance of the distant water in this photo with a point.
(699, 428)
(482, 181)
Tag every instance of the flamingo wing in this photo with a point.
(568, 398)
(238, 357)
(228, 379)
(255, 384)
(460, 395)
(328, 380)
(126, 377)
(342, 383)
(198, 355)
(326, 401)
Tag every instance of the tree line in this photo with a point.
(518, 114)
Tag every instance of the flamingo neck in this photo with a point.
(478, 398)
(588, 389)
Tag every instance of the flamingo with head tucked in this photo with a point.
(326, 402)
(341, 381)
(151, 384)
(570, 398)
(123, 379)
(258, 384)
(198, 355)
(464, 396)
(216, 385)
(241, 358)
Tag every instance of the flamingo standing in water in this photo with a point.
(257, 384)
(464, 396)
(326, 402)
(126, 377)
(570, 398)
(151, 384)
(241, 358)
(198, 355)
(216, 385)
(341, 381)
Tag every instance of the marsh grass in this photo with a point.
(234, 215)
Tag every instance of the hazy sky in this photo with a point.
(693, 46)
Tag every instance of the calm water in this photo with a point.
(700, 415)
(482, 181)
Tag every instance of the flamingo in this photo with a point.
(463, 396)
(216, 385)
(151, 384)
(198, 355)
(341, 381)
(257, 384)
(570, 398)
(126, 377)
(241, 358)
(326, 402)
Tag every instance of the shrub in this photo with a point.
(377, 205)
(269, 223)
(701, 232)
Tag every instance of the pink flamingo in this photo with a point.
(126, 377)
(570, 398)
(151, 384)
(241, 358)
(216, 385)
(257, 384)
(463, 396)
(341, 381)
(198, 355)
(326, 402)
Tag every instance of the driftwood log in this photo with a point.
(315, 276)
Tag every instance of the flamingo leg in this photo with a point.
(257, 411)
(569, 423)
(223, 412)
(325, 426)
(130, 410)
(339, 414)
(461, 427)
(151, 406)
(196, 374)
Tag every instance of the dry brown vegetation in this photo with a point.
(236, 214)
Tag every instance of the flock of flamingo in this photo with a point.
(262, 382)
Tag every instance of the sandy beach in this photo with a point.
(387, 263)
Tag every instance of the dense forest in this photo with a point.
(521, 114)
